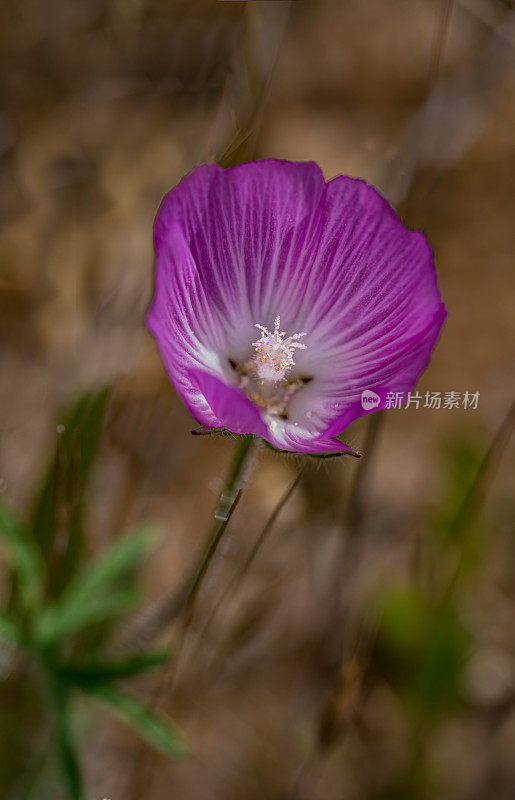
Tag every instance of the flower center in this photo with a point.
(274, 352)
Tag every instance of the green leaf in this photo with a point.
(61, 620)
(152, 728)
(65, 741)
(59, 506)
(100, 592)
(117, 562)
(24, 557)
(98, 673)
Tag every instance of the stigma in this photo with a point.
(274, 352)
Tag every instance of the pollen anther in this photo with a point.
(274, 352)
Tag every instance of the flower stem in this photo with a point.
(232, 585)
(225, 507)
(233, 480)
(183, 598)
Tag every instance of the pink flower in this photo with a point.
(280, 299)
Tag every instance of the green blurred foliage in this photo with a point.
(58, 510)
(462, 457)
(423, 645)
(58, 595)
(422, 649)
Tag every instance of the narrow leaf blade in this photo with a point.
(117, 562)
(155, 730)
(58, 508)
(65, 741)
(61, 620)
(24, 557)
(95, 674)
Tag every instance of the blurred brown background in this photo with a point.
(104, 105)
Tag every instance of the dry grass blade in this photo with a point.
(477, 491)
(237, 579)
(356, 505)
(183, 600)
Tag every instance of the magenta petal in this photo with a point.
(297, 440)
(373, 309)
(247, 228)
(230, 407)
(183, 322)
